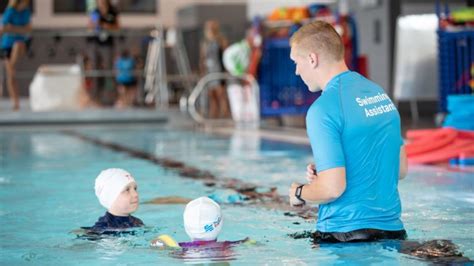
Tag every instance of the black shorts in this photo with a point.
(128, 83)
(361, 235)
(107, 42)
(6, 53)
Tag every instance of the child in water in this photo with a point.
(116, 190)
(203, 222)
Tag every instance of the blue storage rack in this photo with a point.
(456, 61)
(281, 91)
(456, 58)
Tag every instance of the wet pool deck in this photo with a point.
(171, 117)
(88, 116)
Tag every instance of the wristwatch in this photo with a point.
(298, 191)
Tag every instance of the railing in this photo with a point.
(201, 86)
(159, 80)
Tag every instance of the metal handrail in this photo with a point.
(111, 73)
(86, 32)
(201, 86)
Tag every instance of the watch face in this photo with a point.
(298, 191)
(298, 195)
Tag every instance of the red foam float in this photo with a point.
(433, 146)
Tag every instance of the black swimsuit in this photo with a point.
(110, 224)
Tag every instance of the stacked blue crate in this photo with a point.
(461, 112)
(456, 59)
(281, 91)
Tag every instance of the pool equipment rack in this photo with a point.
(456, 58)
(282, 92)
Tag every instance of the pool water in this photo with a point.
(46, 191)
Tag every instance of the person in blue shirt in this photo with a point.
(126, 80)
(16, 24)
(355, 136)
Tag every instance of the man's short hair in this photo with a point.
(319, 37)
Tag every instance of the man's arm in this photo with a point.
(324, 132)
(327, 186)
(403, 163)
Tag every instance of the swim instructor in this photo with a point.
(355, 135)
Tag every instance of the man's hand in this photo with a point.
(311, 172)
(291, 193)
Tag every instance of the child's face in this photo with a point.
(127, 201)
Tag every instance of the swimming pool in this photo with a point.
(46, 191)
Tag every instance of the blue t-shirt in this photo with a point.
(125, 67)
(354, 124)
(14, 17)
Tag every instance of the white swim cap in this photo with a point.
(110, 183)
(203, 219)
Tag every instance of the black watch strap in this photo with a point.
(298, 192)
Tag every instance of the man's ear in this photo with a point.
(313, 60)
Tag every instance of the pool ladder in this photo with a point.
(202, 86)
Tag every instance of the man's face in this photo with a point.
(127, 201)
(305, 67)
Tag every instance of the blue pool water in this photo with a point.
(46, 191)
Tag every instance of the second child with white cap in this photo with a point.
(203, 222)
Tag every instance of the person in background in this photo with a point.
(16, 25)
(103, 21)
(126, 80)
(211, 51)
(86, 97)
(241, 59)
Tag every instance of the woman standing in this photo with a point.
(211, 62)
(16, 24)
(103, 20)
